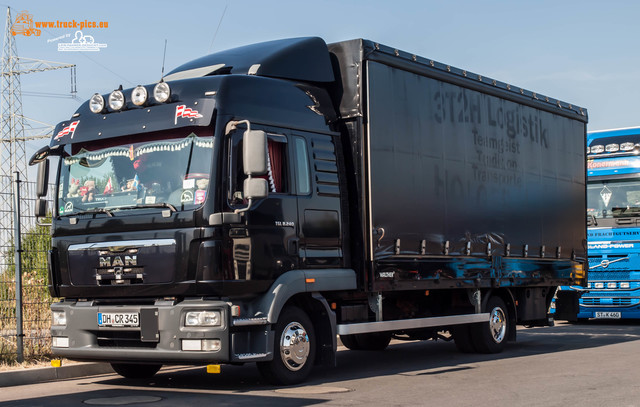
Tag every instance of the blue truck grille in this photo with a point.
(612, 302)
(615, 275)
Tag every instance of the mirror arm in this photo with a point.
(249, 202)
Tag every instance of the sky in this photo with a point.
(581, 52)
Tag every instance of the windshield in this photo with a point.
(165, 169)
(614, 198)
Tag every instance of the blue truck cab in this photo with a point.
(613, 220)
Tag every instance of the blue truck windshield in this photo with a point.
(613, 199)
(169, 170)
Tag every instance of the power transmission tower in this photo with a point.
(12, 124)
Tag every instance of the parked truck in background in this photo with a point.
(613, 233)
(258, 202)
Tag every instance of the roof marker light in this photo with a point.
(96, 103)
(139, 95)
(612, 148)
(628, 146)
(161, 92)
(116, 100)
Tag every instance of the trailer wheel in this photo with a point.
(463, 339)
(490, 337)
(135, 371)
(350, 341)
(294, 349)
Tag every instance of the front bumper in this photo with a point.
(159, 338)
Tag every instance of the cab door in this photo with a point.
(266, 244)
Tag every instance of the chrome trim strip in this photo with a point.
(396, 325)
(122, 244)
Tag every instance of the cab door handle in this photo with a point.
(292, 247)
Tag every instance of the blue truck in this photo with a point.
(613, 220)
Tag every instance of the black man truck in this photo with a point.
(258, 202)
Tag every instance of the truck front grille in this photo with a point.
(122, 339)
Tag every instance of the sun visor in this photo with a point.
(304, 59)
(89, 127)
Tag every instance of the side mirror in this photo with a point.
(41, 208)
(254, 152)
(43, 178)
(256, 188)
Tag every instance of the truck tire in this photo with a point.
(294, 349)
(462, 337)
(350, 342)
(491, 337)
(373, 341)
(135, 371)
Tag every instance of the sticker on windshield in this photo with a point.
(200, 196)
(605, 194)
(68, 207)
(187, 196)
(188, 183)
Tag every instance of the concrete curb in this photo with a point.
(46, 374)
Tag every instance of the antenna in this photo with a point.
(219, 23)
(163, 58)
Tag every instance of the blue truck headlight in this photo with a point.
(202, 318)
(58, 318)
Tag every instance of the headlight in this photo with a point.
(139, 95)
(161, 92)
(202, 318)
(116, 100)
(59, 318)
(96, 103)
(625, 285)
(598, 285)
(612, 285)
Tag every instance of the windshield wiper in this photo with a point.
(95, 210)
(151, 205)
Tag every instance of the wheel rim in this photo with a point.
(498, 324)
(294, 346)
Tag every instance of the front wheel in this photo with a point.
(491, 337)
(294, 349)
(135, 371)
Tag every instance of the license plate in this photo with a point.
(118, 319)
(608, 315)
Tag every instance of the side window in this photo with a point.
(277, 174)
(303, 181)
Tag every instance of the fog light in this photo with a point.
(96, 103)
(116, 100)
(161, 92)
(202, 318)
(60, 342)
(139, 95)
(58, 318)
(199, 345)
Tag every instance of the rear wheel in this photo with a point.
(350, 341)
(135, 371)
(373, 341)
(294, 349)
(463, 339)
(491, 337)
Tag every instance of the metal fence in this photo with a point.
(24, 328)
